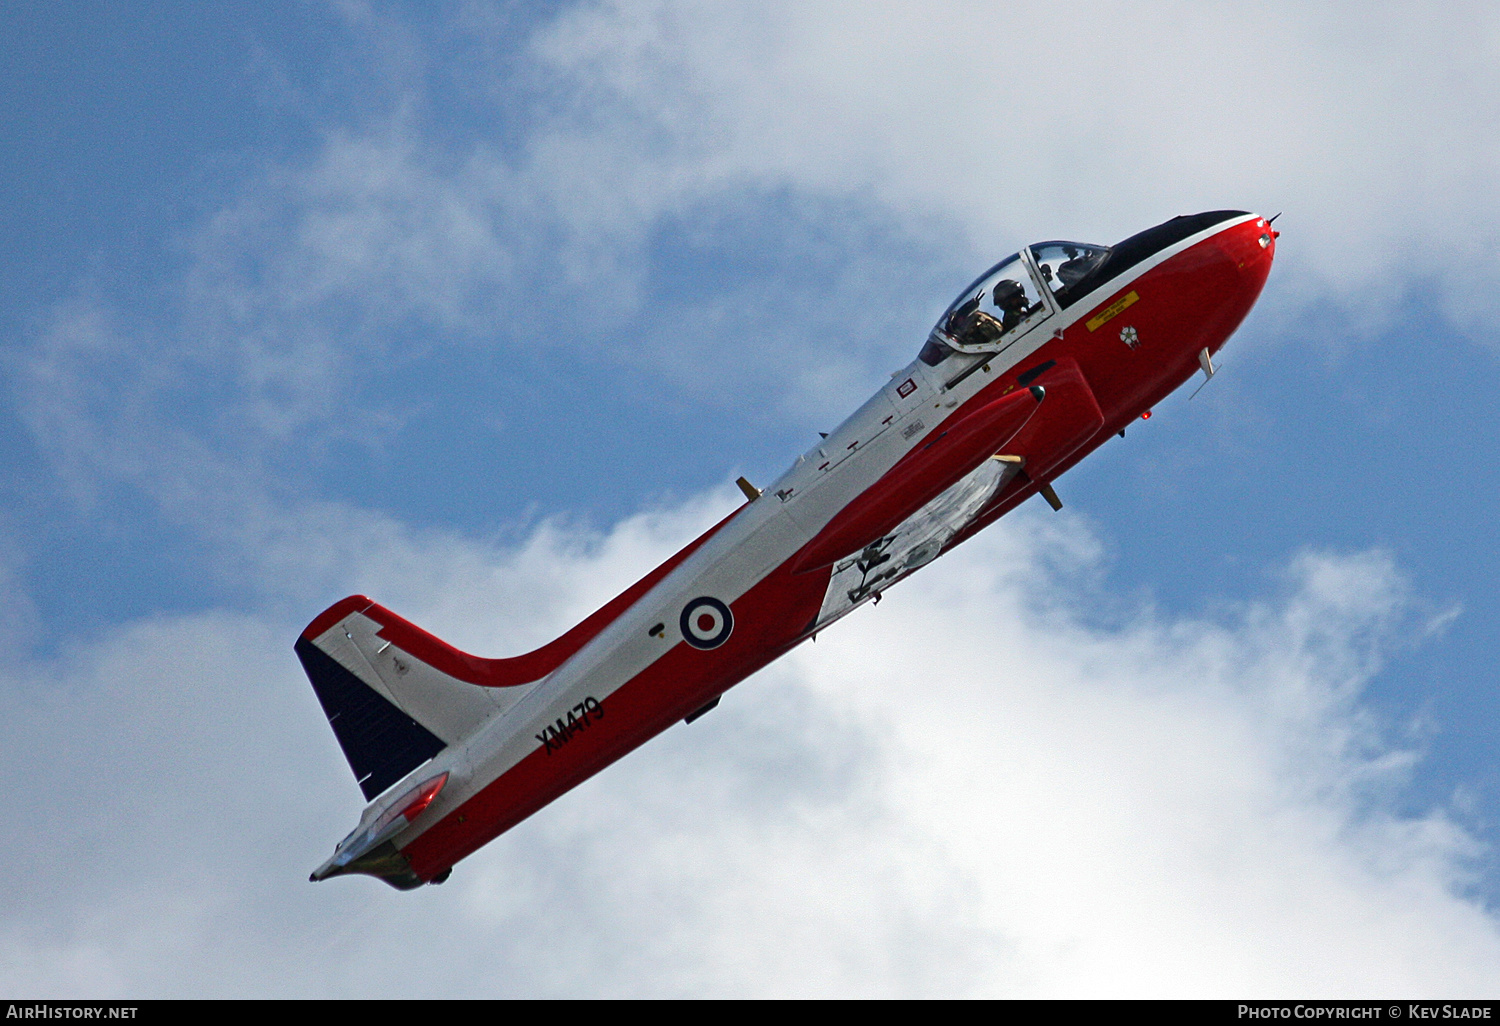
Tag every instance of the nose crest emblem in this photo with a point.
(1129, 336)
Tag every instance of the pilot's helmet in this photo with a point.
(1008, 293)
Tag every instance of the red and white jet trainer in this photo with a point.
(1036, 364)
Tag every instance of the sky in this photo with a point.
(480, 309)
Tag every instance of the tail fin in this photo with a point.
(395, 695)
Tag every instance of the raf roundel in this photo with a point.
(706, 623)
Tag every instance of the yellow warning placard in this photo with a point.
(1112, 310)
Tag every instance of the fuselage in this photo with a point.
(954, 440)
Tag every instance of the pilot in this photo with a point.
(972, 326)
(1010, 300)
(1075, 268)
(958, 320)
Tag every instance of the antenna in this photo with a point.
(1209, 370)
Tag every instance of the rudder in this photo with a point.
(381, 742)
(394, 695)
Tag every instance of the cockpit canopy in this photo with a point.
(1063, 265)
(1013, 297)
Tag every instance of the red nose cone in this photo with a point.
(1260, 263)
(1253, 247)
(1235, 277)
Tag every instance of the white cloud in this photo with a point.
(974, 788)
(905, 136)
(968, 129)
(1369, 126)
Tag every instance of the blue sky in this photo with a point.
(480, 310)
